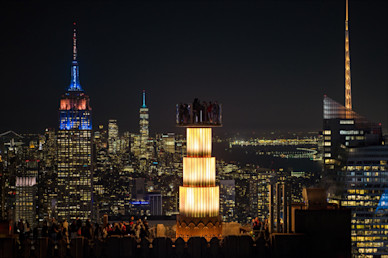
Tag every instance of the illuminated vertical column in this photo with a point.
(348, 88)
(199, 142)
(199, 196)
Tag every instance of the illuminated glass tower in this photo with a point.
(199, 197)
(25, 204)
(343, 128)
(144, 130)
(74, 149)
(355, 166)
(366, 181)
(113, 136)
(228, 200)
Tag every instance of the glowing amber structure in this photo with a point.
(348, 86)
(199, 195)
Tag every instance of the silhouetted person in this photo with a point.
(216, 113)
(196, 110)
(45, 229)
(87, 230)
(73, 229)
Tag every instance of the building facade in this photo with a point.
(228, 200)
(366, 181)
(355, 168)
(144, 130)
(25, 205)
(113, 137)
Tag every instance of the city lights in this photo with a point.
(289, 171)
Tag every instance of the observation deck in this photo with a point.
(199, 114)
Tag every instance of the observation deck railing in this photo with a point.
(199, 115)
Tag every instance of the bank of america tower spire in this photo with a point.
(74, 148)
(348, 87)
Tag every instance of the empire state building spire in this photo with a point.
(74, 83)
(348, 87)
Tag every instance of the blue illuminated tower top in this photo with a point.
(144, 100)
(74, 83)
(74, 108)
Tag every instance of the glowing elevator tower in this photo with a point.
(74, 148)
(199, 196)
(348, 87)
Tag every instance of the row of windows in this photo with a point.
(368, 232)
(368, 238)
(363, 197)
(351, 132)
(369, 244)
(368, 173)
(366, 168)
(367, 180)
(359, 203)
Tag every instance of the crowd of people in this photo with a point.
(139, 229)
(199, 112)
(260, 228)
(63, 231)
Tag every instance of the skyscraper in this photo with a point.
(113, 136)
(228, 200)
(144, 130)
(25, 208)
(366, 180)
(74, 148)
(343, 128)
(355, 165)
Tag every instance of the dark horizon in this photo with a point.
(269, 62)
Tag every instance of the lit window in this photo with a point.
(346, 122)
(327, 132)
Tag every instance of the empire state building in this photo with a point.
(74, 149)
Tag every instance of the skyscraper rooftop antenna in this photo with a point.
(348, 88)
(144, 99)
(74, 42)
(74, 83)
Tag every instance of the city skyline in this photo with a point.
(286, 56)
(299, 162)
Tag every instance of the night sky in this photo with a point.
(268, 62)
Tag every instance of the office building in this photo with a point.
(74, 178)
(25, 204)
(113, 137)
(228, 200)
(343, 128)
(355, 168)
(155, 200)
(145, 145)
(366, 180)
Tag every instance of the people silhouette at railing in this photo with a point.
(207, 113)
(196, 110)
(210, 112)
